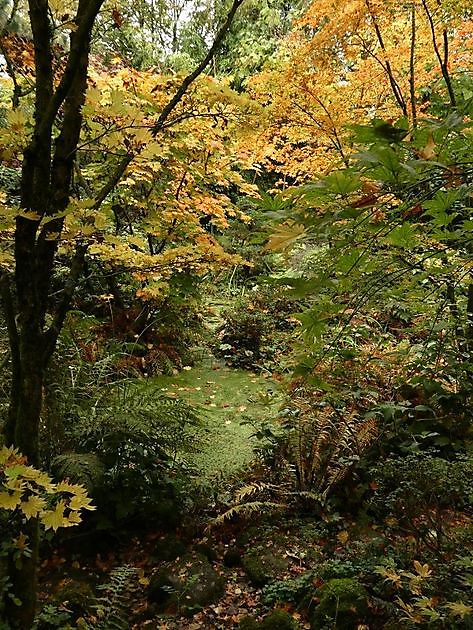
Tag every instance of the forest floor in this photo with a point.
(231, 403)
(261, 563)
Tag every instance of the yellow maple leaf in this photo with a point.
(423, 570)
(65, 486)
(80, 502)
(285, 237)
(33, 506)
(21, 542)
(459, 609)
(10, 501)
(54, 519)
(74, 518)
(17, 119)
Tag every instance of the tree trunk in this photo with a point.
(23, 576)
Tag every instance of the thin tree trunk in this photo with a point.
(24, 579)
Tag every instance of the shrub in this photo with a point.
(291, 590)
(255, 332)
(321, 442)
(244, 337)
(420, 491)
(279, 620)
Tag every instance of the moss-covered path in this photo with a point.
(225, 398)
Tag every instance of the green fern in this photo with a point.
(322, 444)
(83, 468)
(246, 510)
(140, 416)
(111, 607)
(315, 454)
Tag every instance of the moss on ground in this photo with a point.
(225, 398)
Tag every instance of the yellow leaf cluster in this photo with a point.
(33, 494)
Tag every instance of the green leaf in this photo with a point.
(402, 236)
(285, 236)
(341, 182)
(443, 201)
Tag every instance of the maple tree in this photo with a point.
(132, 167)
(25, 490)
(393, 223)
(346, 63)
(47, 144)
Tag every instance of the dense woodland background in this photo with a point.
(236, 322)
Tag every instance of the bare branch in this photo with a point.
(8, 309)
(168, 109)
(443, 61)
(397, 92)
(51, 335)
(113, 181)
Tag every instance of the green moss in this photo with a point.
(343, 601)
(168, 548)
(279, 620)
(249, 623)
(77, 597)
(225, 398)
(262, 566)
(186, 584)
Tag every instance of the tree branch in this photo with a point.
(86, 13)
(168, 109)
(397, 92)
(14, 342)
(200, 68)
(412, 77)
(113, 180)
(52, 334)
(443, 62)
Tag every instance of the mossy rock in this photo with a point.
(186, 585)
(168, 548)
(206, 550)
(279, 620)
(232, 557)
(343, 601)
(249, 623)
(263, 566)
(78, 597)
(248, 535)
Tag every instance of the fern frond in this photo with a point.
(251, 490)
(81, 468)
(111, 607)
(245, 510)
(368, 432)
